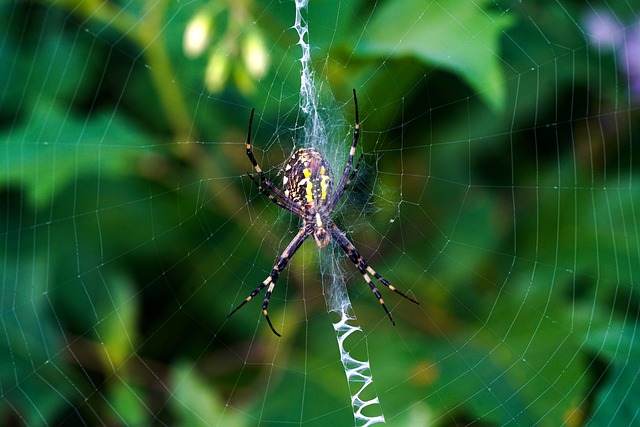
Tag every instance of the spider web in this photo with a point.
(497, 187)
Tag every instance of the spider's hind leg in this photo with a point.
(273, 277)
(271, 281)
(365, 269)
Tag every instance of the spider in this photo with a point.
(308, 182)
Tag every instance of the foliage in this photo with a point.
(507, 173)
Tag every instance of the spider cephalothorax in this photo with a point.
(308, 193)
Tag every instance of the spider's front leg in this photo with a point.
(347, 176)
(277, 194)
(273, 276)
(291, 208)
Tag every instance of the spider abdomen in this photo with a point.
(308, 178)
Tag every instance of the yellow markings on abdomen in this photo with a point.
(308, 178)
(324, 182)
(309, 190)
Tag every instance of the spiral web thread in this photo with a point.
(358, 372)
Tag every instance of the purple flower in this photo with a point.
(604, 30)
(630, 59)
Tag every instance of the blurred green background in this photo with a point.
(498, 190)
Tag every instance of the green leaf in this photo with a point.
(617, 341)
(590, 231)
(618, 396)
(463, 37)
(52, 148)
(618, 401)
(126, 403)
(195, 403)
(36, 382)
(518, 368)
(117, 331)
(531, 341)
